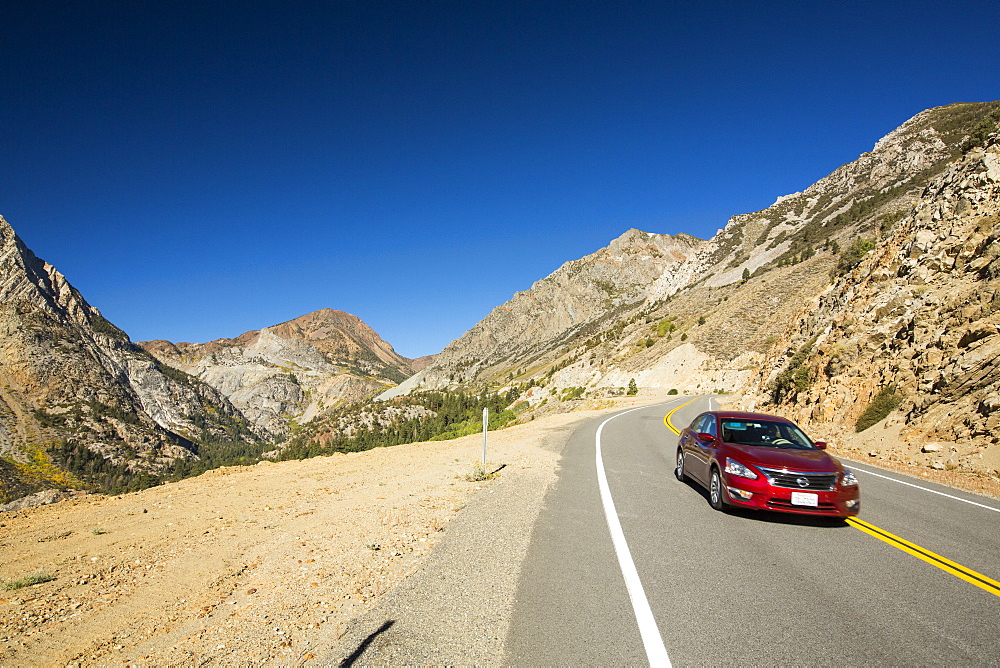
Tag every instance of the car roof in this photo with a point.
(737, 415)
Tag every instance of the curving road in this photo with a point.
(738, 588)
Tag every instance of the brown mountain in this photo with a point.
(294, 371)
(917, 321)
(876, 284)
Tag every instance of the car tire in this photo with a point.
(679, 467)
(716, 492)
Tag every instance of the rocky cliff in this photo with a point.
(293, 372)
(917, 321)
(76, 394)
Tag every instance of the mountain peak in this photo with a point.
(325, 318)
(336, 359)
(29, 280)
(575, 298)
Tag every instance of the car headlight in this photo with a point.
(733, 467)
(848, 479)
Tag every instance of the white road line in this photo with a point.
(651, 639)
(926, 489)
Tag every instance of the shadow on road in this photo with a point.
(356, 654)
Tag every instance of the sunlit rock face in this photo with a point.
(291, 373)
(68, 376)
(565, 304)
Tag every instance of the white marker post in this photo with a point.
(486, 424)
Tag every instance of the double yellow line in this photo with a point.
(947, 565)
(666, 418)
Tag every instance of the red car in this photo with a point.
(764, 462)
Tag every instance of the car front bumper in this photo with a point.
(760, 495)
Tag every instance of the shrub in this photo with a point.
(633, 389)
(887, 221)
(802, 379)
(852, 256)
(172, 373)
(480, 473)
(795, 377)
(35, 578)
(979, 134)
(100, 324)
(672, 391)
(885, 402)
(665, 327)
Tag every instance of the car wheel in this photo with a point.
(679, 469)
(716, 495)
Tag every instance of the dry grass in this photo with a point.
(33, 579)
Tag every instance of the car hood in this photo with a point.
(813, 461)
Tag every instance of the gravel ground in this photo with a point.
(284, 563)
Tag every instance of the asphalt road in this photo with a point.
(742, 588)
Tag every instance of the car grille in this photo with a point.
(785, 504)
(823, 482)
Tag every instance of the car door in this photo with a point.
(710, 427)
(698, 452)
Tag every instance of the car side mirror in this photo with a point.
(706, 438)
(820, 445)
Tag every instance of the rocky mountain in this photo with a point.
(874, 288)
(917, 322)
(523, 335)
(878, 276)
(292, 372)
(79, 401)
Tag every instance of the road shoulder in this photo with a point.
(455, 609)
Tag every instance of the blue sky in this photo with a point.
(202, 169)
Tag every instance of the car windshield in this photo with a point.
(765, 433)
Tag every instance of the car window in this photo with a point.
(709, 426)
(696, 423)
(765, 433)
(796, 436)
